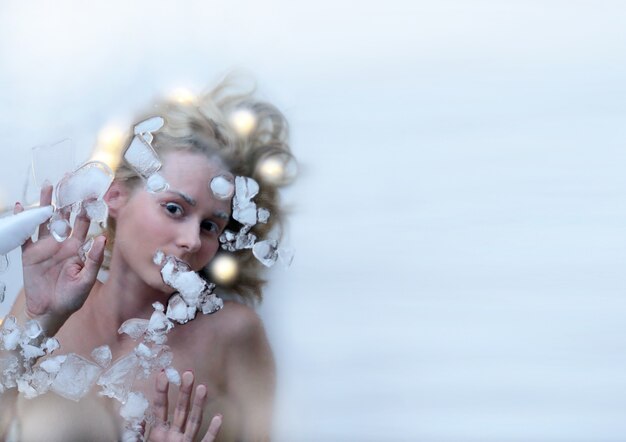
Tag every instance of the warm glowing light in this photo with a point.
(109, 146)
(278, 169)
(183, 96)
(224, 269)
(243, 121)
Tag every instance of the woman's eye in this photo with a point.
(173, 209)
(210, 226)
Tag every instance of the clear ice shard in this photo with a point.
(222, 187)
(159, 324)
(117, 381)
(75, 378)
(50, 345)
(135, 407)
(150, 125)
(135, 327)
(97, 210)
(32, 329)
(142, 157)
(59, 228)
(3, 289)
(244, 209)
(4, 263)
(53, 364)
(102, 355)
(156, 183)
(84, 249)
(88, 182)
(266, 252)
(210, 304)
(179, 311)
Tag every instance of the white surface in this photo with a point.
(459, 220)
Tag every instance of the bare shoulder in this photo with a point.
(240, 321)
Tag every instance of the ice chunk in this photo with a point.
(117, 381)
(158, 258)
(188, 283)
(244, 209)
(135, 407)
(156, 183)
(239, 241)
(263, 215)
(135, 327)
(32, 329)
(211, 304)
(222, 187)
(159, 324)
(60, 228)
(53, 364)
(102, 355)
(178, 310)
(172, 375)
(142, 157)
(75, 378)
(285, 255)
(31, 351)
(152, 124)
(97, 211)
(9, 367)
(11, 333)
(33, 384)
(265, 251)
(3, 289)
(50, 345)
(84, 249)
(90, 181)
(4, 263)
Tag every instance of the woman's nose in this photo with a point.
(189, 237)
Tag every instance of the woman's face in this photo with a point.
(185, 221)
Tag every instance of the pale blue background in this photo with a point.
(459, 221)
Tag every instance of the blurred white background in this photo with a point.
(459, 219)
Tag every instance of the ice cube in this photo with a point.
(244, 209)
(102, 355)
(31, 351)
(32, 329)
(90, 181)
(188, 283)
(244, 240)
(156, 183)
(142, 157)
(222, 187)
(53, 364)
(159, 324)
(135, 407)
(285, 255)
(50, 345)
(263, 215)
(152, 124)
(172, 375)
(9, 367)
(84, 249)
(76, 377)
(211, 304)
(178, 310)
(265, 252)
(134, 327)
(117, 381)
(97, 210)
(60, 228)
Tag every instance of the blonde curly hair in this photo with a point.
(203, 125)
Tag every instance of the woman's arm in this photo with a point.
(251, 378)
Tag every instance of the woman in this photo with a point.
(227, 352)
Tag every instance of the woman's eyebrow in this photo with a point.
(184, 196)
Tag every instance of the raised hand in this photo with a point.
(56, 281)
(185, 424)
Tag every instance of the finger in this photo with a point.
(182, 406)
(18, 208)
(214, 428)
(45, 199)
(81, 226)
(195, 416)
(160, 399)
(93, 261)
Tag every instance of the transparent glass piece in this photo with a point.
(4, 263)
(75, 378)
(84, 249)
(156, 183)
(277, 169)
(89, 181)
(222, 187)
(142, 157)
(265, 252)
(102, 355)
(51, 162)
(150, 125)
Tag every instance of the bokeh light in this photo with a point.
(224, 269)
(109, 145)
(243, 121)
(182, 95)
(278, 169)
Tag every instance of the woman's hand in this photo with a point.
(56, 281)
(185, 423)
